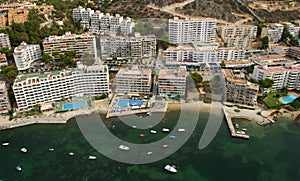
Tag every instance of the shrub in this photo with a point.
(237, 110)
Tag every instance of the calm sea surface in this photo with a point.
(272, 153)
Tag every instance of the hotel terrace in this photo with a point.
(238, 90)
(33, 89)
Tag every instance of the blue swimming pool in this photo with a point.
(129, 102)
(289, 99)
(74, 105)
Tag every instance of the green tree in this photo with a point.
(46, 58)
(11, 76)
(265, 42)
(266, 83)
(196, 77)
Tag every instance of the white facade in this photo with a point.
(25, 54)
(133, 80)
(33, 89)
(4, 41)
(192, 30)
(283, 76)
(172, 81)
(293, 29)
(203, 54)
(128, 47)
(274, 32)
(98, 22)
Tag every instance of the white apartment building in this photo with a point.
(293, 29)
(98, 22)
(25, 54)
(4, 41)
(192, 30)
(133, 80)
(33, 89)
(269, 60)
(84, 43)
(128, 47)
(203, 54)
(273, 32)
(4, 100)
(294, 52)
(172, 81)
(239, 90)
(283, 76)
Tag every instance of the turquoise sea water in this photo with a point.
(272, 153)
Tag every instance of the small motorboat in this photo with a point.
(181, 130)
(172, 136)
(142, 135)
(5, 144)
(149, 153)
(153, 131)
(244, 129)
(170, 168)
(71, 154)
(19, 168)
(165, 146)
(165, 130)
(123, 147)
(238, 132)
(133, 126)
(24, 150)
(237, 126)
(51, 149)
(113, 126)
(92, 157)
(243, 132)
(149, 113)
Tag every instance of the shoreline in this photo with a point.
(102, 108)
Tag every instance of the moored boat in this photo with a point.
(123, 147)
(153, 131)
(24, 150)
(92, 157)
(19, 168)
(5, 144)
(181, 130)
(170, 168)
(172, 136)
(71, 153)
(51, 149)
(165, 130)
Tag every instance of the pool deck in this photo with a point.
(112, 112)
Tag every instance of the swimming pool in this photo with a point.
(289, 99)
(129, 102)
(74, 105)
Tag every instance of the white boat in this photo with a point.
(153, 131)
(149, 113)
(165, 130)
(236, 126)
(243, 132)
(133, 126)
(238, 132)
(5, 144)
(172, 136)
(71, 153)
(122, 147)
(165, 146)
(92, 157)
(18, 168)
(170, 168)
(51, 149)
(244, 129)
(181, 130)
(149, 153)
(24, 150)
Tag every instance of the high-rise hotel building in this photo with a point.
(26, 54)
(33, 89)
(192, 30)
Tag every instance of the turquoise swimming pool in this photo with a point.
(129, 102)
(289, 99)
(74, 105)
